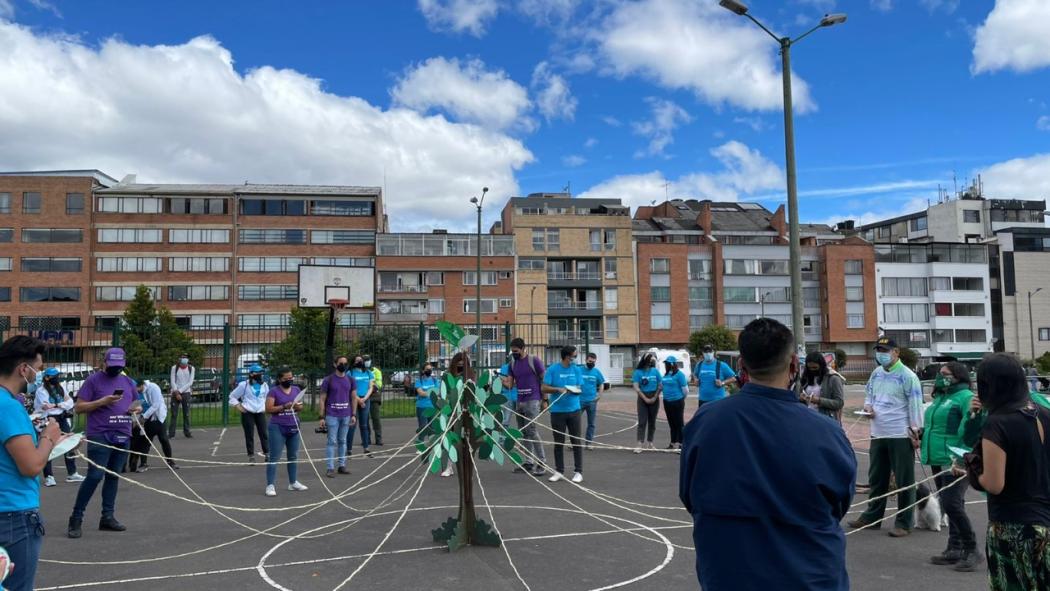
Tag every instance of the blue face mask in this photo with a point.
(36, 383)
(882, 358)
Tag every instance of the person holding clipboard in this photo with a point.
(563, 381)
(283, 404)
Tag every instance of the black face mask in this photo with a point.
(256, 378)
(286, 383)
(516, 355)
(670, 368)
(360, 365)
(590, 365)
(458, 370)
(428, 372)
(341, 368)
(114, 371)
(53, 381)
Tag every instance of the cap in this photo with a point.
(885, 343)
(708, 349)
(255, 368)
(671, 359)
(51, 372)
(115, 357)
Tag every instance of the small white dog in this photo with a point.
(929, 514)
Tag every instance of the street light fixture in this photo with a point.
(1031, 321)
(477, 296)
(794, 237)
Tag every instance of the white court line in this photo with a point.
(218, 442)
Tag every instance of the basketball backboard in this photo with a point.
(319, 284)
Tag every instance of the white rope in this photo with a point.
(495, 528)
(893, 492)
(898, 512)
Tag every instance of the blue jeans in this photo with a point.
(337, 428)
(278, 442)
(362, 422)
(591, 410)
(113, 460)
(21, 534)
(421, 423)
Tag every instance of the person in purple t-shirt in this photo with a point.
(108, 399)
(525, 373)
(337, 390)
(283, 404)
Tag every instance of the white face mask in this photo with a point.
(184, 361)
(709, 356)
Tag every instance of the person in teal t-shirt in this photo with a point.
(425, 384)
(676, 389)
(511, 394)
(564, 381)
(712, 376)
(647, 384)
(593, 384)
(364, 386)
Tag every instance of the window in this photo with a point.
(854, 294)
(940, 283)
(201, 321)
(502, 275)
(272, 236)
(739, 267)
(182, 293)
(969, 309)
(854, 267)
(610, 268)
(699, 297)
(967, 283)
(1044, 334)
(596, 240)
(198, 205)
(52, 235)
(5, 263)
(506, 303)
(811, 297)
(342, 237)
(49, 322)
(970, 336)
(741, 320)
(197, 236)
(660, 294)
(904, 286)
(971, 216)
(660, 322)
(773, 267)
(775, 295)
(345, 262)
(121, 293)
(51, 265)
(699, 321)
(943, 336)
(660, 266)
(435, 278)
(553, 239)
(539, 239)
(436, 306)
(198, 264)
(49, 294)
(906, 312)
(31, 202)
(488, 305)
(739, 294)
(250, 320)
(612, 298)
(130, 204)
(127, 264)
(854, 321)
(918, 224)
(273, 206)
(942, 309)
(342, 208)
(531, 264)
(487, 278)
(269, 264)
(5, 294)
(810, 270)
(699, 270)
(5, 203)
(5, 323)
(128, 235)
(74, 203)
(7, 235)
(267, 292)
(612, 327)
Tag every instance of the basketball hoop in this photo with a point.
(337, 306)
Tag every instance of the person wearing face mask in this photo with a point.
(647, 385)
(375, 402)
(564, 382)
(249, 398)
(283, 403)
(426, 384)
(821, 387)
(108, 399)
(712, 376)
(945, 424)
(364, 388)
(153, 413)
(525, 373)
(52, 400)
(675, 389)
(182, 376)
(593, 383)
(894, 400)
(337, 396)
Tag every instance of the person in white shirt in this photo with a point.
(52, 400)
(182, 376)
(153, 414)
(249, 398)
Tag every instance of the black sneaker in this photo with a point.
(173, 465)
(74, 530)
(539, 471)
(110, 523)
(330, 473)
(141, 469)
(948, 557)
(188, 435)
(969, 562)
(522, 469)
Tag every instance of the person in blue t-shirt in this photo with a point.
(564, 382)
(676, 389)
(511, 394)
(364, 387)
(712, 376)
(425, 384)
(647, 385)
(593, 384)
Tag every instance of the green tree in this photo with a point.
(1043, 364)
(393, 348)
(909, 357)
(719, 337)
(303, 347)
(151, 338)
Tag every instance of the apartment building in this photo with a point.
(704, 262)
(1021, 271)
(575, 271)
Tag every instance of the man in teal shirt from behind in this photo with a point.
(593, 384)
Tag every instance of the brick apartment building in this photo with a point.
(703, 262)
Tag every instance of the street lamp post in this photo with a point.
(1031, 321)
(794, 238)
(477, 294)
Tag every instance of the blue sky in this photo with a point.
(437, 98)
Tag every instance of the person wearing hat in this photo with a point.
(108, 399)
(249, 398)
(712, 376)
(182, 376)
(676, 389)
(894, 400)
(53, 401)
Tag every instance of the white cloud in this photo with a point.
(612, 121)
(744, 172)
(1043, 123)
(553, 96)
(882, 5)
(1014, 37)
(666, 117)
(699, 46)
(458, 16)
(573, 160)
(948, 6)
(1020, 178)
(7, 9)
(546, 12)
(755, 123)
(590, 143)
(467, 91)
(182, 113)
(903, 205)
(45, 5)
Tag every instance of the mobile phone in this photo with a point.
(118, 393)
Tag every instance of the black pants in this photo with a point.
(647, 420)
(140, 443)
(675, 411)
(894, 455)
(184, 404)
(373, 414)
(256, 420)
(562, 423)
(953, 501)
(138, 449)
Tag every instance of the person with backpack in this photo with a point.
(821, 387)
(712, 377)
(525, 373)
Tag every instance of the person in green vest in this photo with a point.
(944, 422)
(376, 401)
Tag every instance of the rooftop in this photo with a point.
(102, 178)
(245, 189)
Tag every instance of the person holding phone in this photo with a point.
(283, 404)
(108, 399)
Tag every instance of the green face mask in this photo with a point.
(942, 382)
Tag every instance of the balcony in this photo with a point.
(401, 289)
(575, 336)
(574, 279)
(566, 308)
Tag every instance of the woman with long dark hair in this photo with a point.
(647, 385)
(1012, 465)
(283, 403)
(821, 387)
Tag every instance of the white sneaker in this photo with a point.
(557, 476)
(638, 449)
(271, 491)
(577, 477)
(74, 477)
(650, 445)
(446, 472)
(297, 486)
(49, 481)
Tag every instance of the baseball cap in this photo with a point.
(115, 357)
(671, 359)
(885, 343)
(51, 372)
(255, 368)
(708, 349)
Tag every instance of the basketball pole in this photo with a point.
(329, 341)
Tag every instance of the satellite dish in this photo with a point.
(384, 308)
